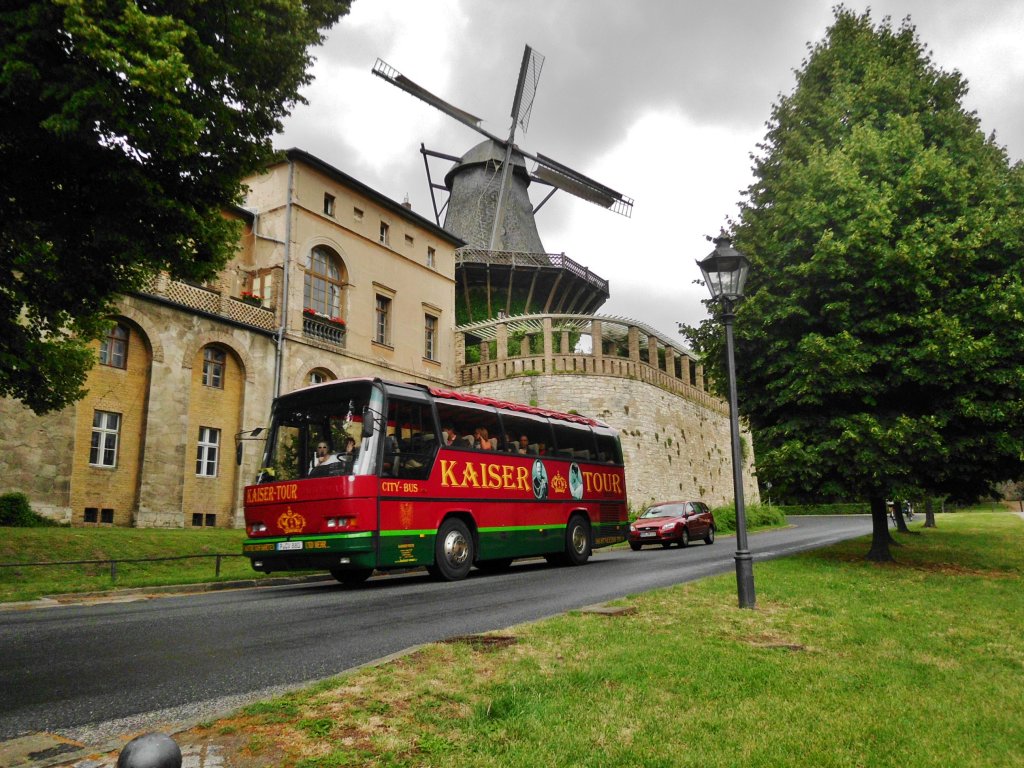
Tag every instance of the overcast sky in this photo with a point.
(662, 100)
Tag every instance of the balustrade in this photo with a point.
(615, 351)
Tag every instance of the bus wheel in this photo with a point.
(453, 551)
(577, 541)
(352, 578)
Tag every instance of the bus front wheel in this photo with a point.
(453, 551)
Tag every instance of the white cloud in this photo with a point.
(660, 100)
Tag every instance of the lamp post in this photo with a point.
(725, 272)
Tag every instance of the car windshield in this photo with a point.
(664, 510)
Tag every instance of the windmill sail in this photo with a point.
(575, 183)
(384, 70)
(526, 87)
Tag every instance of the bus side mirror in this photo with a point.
(245, 434)
(367, 423)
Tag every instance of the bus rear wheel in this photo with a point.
(577, 543)
(352, 578)
(453, 551)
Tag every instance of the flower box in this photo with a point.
(312, 314)
(249, 297)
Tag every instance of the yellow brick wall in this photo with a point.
(118, 390)
(219, 409)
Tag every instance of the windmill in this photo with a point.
(510, 158)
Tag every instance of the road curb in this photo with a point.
(130, 593)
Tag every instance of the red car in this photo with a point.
(672, 522)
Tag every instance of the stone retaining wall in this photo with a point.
(674, 448)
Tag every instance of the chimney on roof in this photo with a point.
(406, 204)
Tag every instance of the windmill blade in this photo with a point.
(384, 70)
(526, 87)
(575, 183)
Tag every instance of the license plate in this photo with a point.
(647, 534)
(289, 545)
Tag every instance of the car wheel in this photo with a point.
(634, 546)
(684, 538)
(666, 544)
(453, 551)
(352, 578)
(710, 538)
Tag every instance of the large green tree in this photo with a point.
(880, 349)
(127, 128)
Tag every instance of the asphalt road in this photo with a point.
(89, 672)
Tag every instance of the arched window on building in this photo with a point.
(319, 376)
(213, 367)
(114, 347)
(324, 283)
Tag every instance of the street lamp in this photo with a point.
(725, 272)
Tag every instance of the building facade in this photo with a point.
(331, 279)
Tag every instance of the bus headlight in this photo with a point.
(258, 528)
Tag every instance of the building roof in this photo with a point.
(300, 155)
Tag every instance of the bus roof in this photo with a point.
(468, 397)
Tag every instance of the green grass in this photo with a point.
(844, 663)
(31, 545)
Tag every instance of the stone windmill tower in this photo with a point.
(504, 267)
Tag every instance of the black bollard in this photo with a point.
(150, 750)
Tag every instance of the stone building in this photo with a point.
(332, 279)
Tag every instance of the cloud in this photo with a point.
(660, 100)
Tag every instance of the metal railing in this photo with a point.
(113, 562)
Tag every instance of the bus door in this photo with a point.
(409, 450)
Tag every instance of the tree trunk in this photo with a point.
(879, 551)
(929, 513)
(897, 512)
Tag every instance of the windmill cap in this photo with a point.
(484, 152)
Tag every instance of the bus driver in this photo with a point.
(323, 456)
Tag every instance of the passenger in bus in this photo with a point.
(323, 456)
(350, 447)
(448, 432)
(391, 457)
(524, 444)
(484, 442)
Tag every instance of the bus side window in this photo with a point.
(608, 450)
(411, 445)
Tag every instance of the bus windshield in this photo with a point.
(318, 432)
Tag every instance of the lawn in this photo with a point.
(843, 663)
(46, 545)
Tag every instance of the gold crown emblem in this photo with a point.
(559, 484)
(291, 522)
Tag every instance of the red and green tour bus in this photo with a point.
(365, 474)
